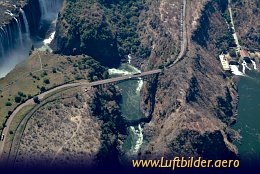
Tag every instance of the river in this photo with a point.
(248, 109)
(130, 105)
(248, 120)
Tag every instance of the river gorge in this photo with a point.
(187, 89)
(19, 37)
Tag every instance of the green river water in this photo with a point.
(130, 106)
(248, 121)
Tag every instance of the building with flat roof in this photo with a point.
(244, 53)
(224, 62)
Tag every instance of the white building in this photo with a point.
(224, 62)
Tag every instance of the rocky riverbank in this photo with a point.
(191, 106)
(194, 100)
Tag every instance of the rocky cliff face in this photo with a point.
(195, 99)
(193, 102)
(80, 127)
(81, 31)
(188, 109)
(33, 14)
(11, 9)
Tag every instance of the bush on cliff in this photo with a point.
(105, 30)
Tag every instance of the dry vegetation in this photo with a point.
(62, 132)
(28, 79)
(246, 19)
(14, 124)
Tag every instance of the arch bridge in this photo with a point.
(115, 80)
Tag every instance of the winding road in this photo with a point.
(90, 84)
(101, 82)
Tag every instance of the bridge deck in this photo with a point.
(122, 78)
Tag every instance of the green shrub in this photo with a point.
(17, 99)
(54, 70)
(43, 89)
(46, 81)
(36, 100)
(8, 104)
(20, 93)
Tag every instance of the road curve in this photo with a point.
(27, 103)
(93, 84)
(183, 33)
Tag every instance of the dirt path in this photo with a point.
(78, 121)
(93, 84)
(233, 26)
(21, 76)
(28, 102)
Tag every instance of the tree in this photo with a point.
(54, 70)
(10, 113)
(36, 100)
(8, 104)
(232, 53)
(20, 93)
(43, 89)
(46, 81)
(17, 99)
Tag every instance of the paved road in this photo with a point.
(233, 26)
(100, 82)
(27, 103)
(122, 78)
(93, 84)
(183, 33)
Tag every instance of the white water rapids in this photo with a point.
(130, 104)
